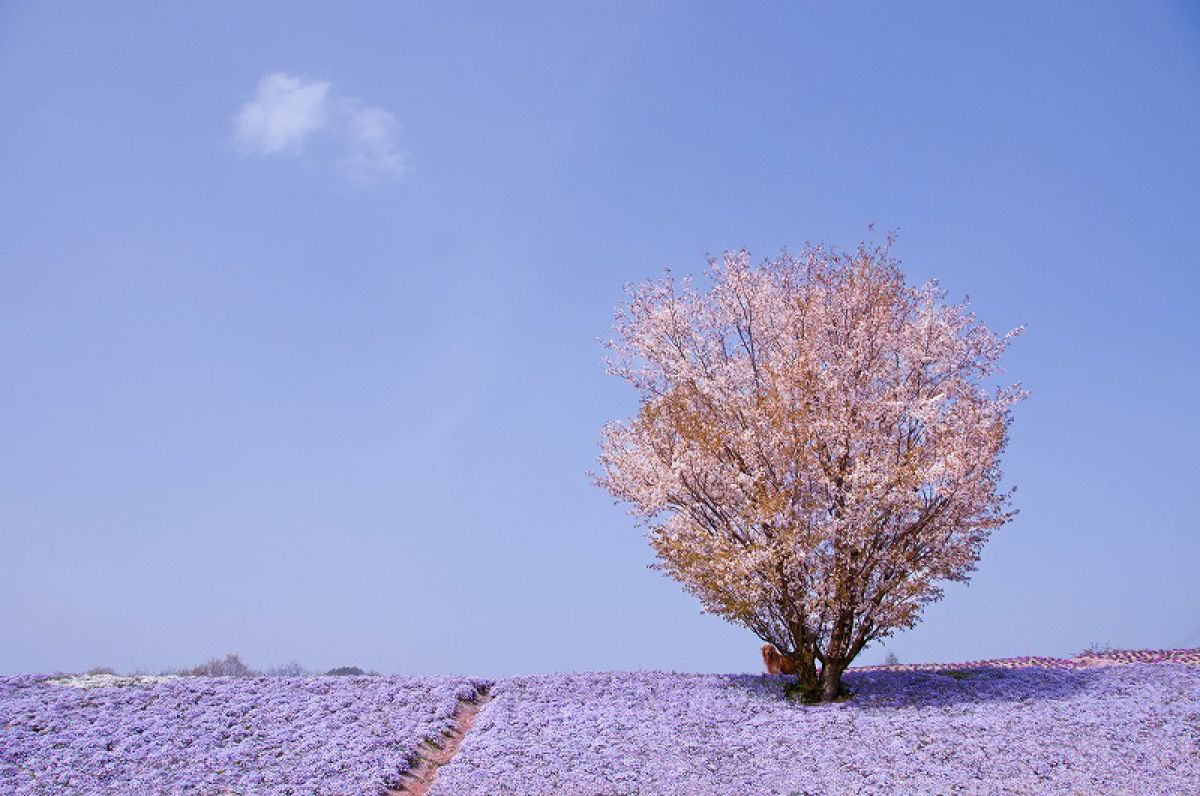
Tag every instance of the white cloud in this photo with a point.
(374, 151)
(285, 111)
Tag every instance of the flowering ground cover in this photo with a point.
(1083, 661)
(201, 735)
(1129, 729)
(1017, 725)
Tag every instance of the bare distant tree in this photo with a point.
(289, 669)
(229, 666)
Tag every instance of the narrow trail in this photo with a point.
(419, 779)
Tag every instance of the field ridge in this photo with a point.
(431, 756)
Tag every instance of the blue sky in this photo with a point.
(299, 310)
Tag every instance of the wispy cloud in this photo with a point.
(286, 111)
(373, 150)
(283, 113)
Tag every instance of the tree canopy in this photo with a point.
(817, 447)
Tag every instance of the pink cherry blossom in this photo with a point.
(817, 447)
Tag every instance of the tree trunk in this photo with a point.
(831, 680)
(808, 684)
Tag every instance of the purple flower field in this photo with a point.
(1115, 730)
(1001, 727)
(1083, 661)
(200, 735)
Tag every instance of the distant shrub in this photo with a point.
(1096, 650)
(229, 666)
(890, 659)
(100, 670)
(957, 674)
(289, 669)
(346, 671)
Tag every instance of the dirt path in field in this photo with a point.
(419, 779)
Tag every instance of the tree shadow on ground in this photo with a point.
(936, 687)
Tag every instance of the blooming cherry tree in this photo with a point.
(816, 449)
